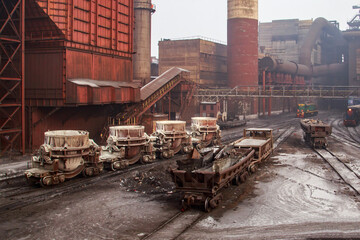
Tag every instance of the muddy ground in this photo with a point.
(294, 195)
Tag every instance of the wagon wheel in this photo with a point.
(236, 180)
(144, 159)
(207, 207)
(112, 166)
(42, 184)
(164, 155)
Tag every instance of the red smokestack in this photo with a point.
(242, 42)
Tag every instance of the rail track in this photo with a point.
(21, 196)
(343, 134)
(181, 222)
(25, 195)
(349, 176)
(353, 133)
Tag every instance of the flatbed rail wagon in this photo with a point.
(315, 132)
(259, 139)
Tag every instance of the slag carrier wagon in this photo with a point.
(315, 132)
(202, 177)
(64, 155)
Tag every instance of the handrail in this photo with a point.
(285, 91)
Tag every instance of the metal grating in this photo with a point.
(12, 99)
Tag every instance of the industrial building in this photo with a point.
(96, 140)
(205, 59)
(87, 65)
(84, 64)
(283, 39)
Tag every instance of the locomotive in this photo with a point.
(306, 109)
(352, 116)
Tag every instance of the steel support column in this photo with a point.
(263, 100)
(12, 75)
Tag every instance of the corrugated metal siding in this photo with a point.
(97, 67)
(87, 91)
(41, 70)
(84, 39)
(101, 23)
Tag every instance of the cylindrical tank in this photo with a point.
(173, 133)
(64, 155)
(61, 142)
(205, 130)
(125, 146)
(242, 42)
(130, 137)
(142, 40)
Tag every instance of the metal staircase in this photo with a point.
(149, 95)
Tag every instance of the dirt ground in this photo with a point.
(294, 195)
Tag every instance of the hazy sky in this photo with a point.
(207, 18)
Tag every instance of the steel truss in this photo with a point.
(12, 71)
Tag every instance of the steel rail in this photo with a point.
(349, 176)
(192, 220)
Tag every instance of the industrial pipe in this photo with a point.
(319, 26)
(278, 65)
(329, 69)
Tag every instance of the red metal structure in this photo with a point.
(79, 64)
(150, 94)
(78, 52)
(12, 103)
